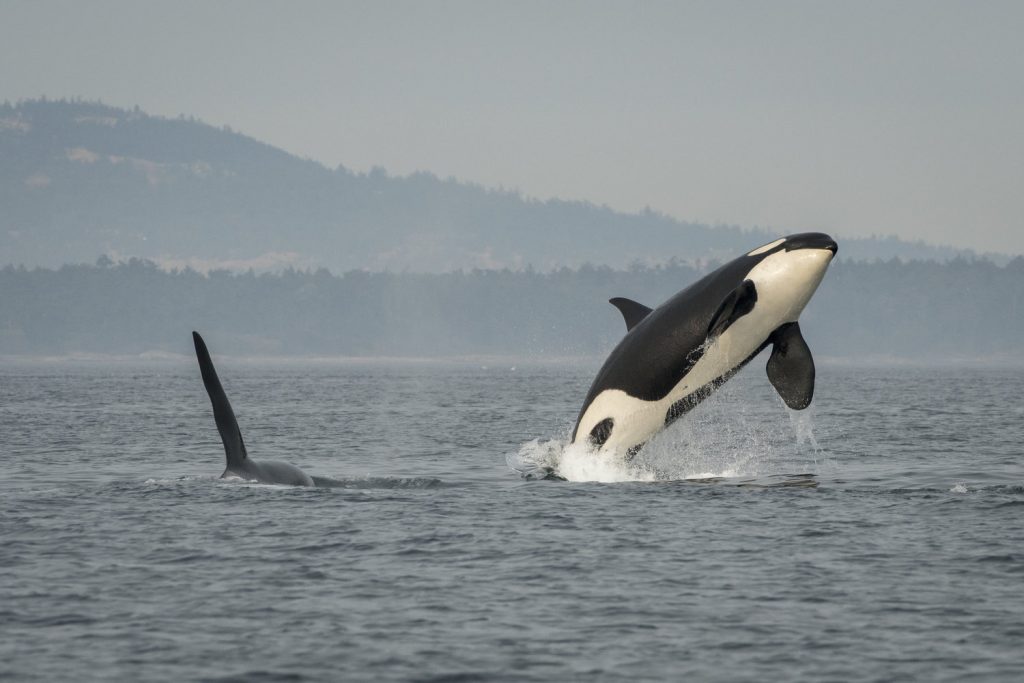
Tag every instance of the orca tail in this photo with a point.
(227, 425)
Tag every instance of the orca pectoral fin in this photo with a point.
(734, 306)
(791, 367)
(632, 311)
(227, 425)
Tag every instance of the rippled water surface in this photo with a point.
(879, 536)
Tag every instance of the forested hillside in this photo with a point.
(79, 179)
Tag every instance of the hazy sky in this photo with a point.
(858, 117)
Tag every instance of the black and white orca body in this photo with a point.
(674, 356)
(238, 462)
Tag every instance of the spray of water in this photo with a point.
(725, 437)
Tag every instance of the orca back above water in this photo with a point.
(675, 355)
(239, 464)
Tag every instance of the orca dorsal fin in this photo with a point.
(632, 311)
(734, 306)
(227, 425)
(791, 367)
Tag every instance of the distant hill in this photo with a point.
(81, 179)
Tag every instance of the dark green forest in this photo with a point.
(965, 309)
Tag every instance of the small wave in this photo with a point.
(258, 485)
(71, 619)
(380, 483)
(42, 493)
(319, 482)
(176, 481)
(1011, 489)
(255, 484)
(959, 487)
(257, 676)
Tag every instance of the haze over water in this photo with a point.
(876, 538)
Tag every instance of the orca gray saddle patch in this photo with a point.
(791, 367)
(734, 306)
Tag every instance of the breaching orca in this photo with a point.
(239, 463)
(675, 355)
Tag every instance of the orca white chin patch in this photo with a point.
(785, 282)
(767, 247)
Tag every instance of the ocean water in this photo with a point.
(877, 536)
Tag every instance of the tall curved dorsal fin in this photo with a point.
(632, 311)
(227, 425)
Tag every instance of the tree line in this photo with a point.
(966, 308)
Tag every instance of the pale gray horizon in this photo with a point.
(855, 118)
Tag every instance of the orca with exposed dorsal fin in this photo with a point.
(675, 355)
(239, 464)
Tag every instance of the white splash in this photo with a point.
(726, 437)
(580, 462)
